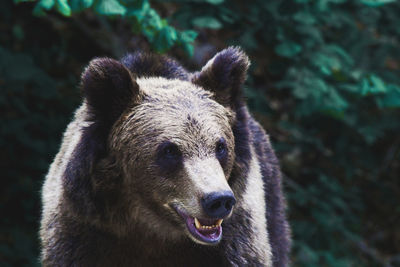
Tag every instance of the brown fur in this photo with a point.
(109, 198)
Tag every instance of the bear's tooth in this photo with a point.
(197, 223)
(219, 222)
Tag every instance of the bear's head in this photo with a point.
(159, 148)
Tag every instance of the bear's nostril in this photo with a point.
(215, 205)
(218, 204)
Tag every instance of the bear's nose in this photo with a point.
(218, 204)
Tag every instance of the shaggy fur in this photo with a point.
(111, 194)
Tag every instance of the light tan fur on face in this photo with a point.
(204, 176)
(160, 117)
(181, 113)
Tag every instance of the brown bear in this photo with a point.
(163, 167)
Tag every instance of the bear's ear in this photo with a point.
(108, 88)
(224, 75)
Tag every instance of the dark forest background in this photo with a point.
(324, 82)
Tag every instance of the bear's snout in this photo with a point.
(218, 204)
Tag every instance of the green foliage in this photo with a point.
(288, 49)
(109, 8)
(207, 22)
(324, 82)
(376, 2)
(138, 13)
(32, 118)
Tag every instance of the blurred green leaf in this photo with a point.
(21, 1)
(372, 85)
(288, 49)
(376, 3)
(304, 17)
(18, 32)
(215, 2)
(165, 39)
(188, 36)
(43, 5)
(139, 9)
(63, 7)
(207, 22)
(109, 7)
(391, 99)
(79, 5)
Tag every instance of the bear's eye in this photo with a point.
(221, 149)
(169, 157)
(169, 150)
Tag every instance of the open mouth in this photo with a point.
(207, 231)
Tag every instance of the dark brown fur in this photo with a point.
(108, 196)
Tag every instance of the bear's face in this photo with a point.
(172, 143)
(176, 147)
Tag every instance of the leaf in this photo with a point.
(370, 133)
(46, 4)
(186, 39)
(165, 39)
(377, 3)
(305, 18)
(189, 49)
(288, 49)
(43, 5)
(343, 54)
(372, 85)
(21, 1)
(109, 7)
(214, 2)
(326, 63)
(188, 36)
(79, 5)
(207, 22)
(334, 103)
(391, 99)
(138, 9)
(18, 32)
(153, 21)
(63, 7)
